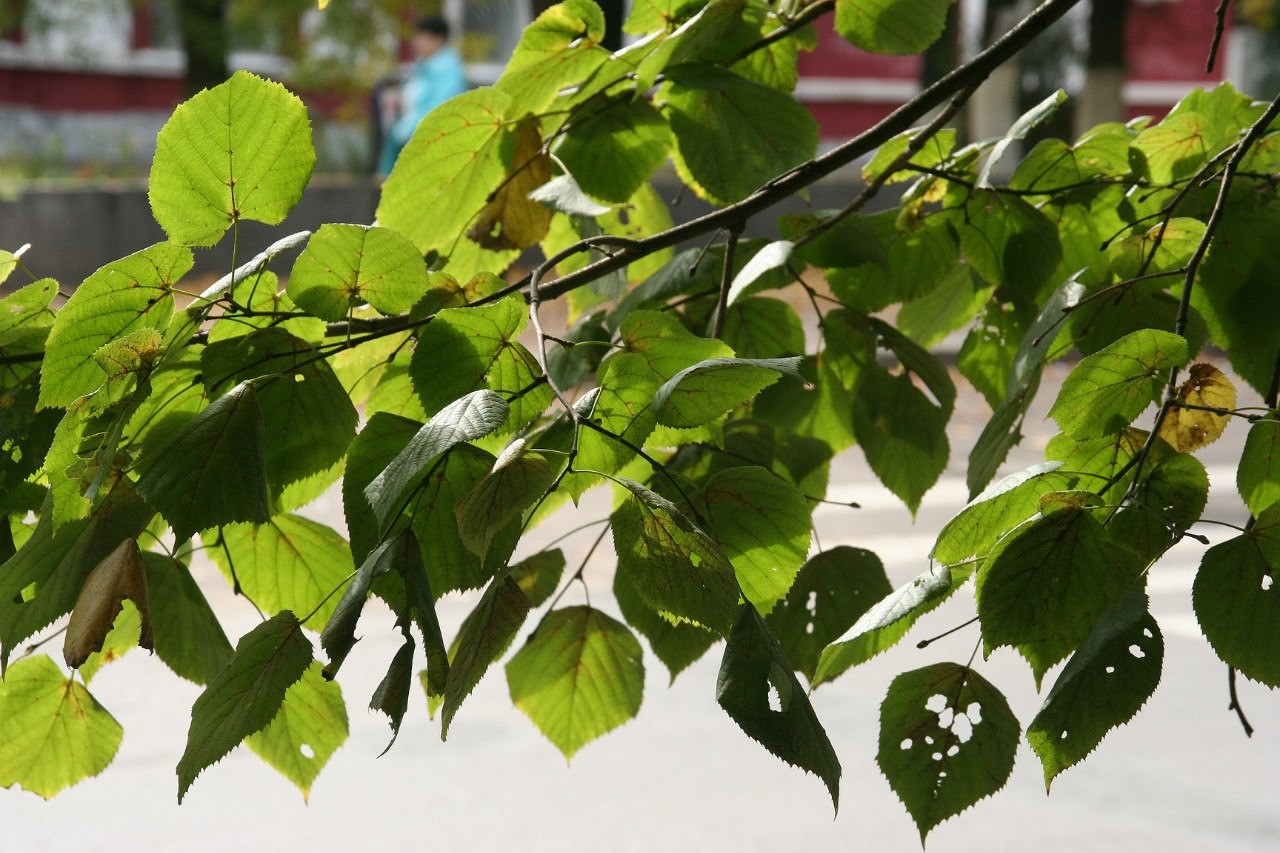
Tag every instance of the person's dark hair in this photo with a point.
(433, 24)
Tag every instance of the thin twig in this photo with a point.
(1219, 25)
(726, 279)
(1235, 702)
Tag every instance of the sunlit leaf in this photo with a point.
(309, 727)
(1189, 429)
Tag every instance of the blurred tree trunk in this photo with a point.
(1102, 97)
(204, 40)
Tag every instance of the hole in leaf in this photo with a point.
(1146, 632)
(812, 604)
(974, 713)
(954, 750)
(906, 744)
(775, 701)
(928, 739)
(1136, 651)
(946, 718)
(1267, 582)
(1110, 670)
(937, 756)
(962, 728)
(307, 751)
(942, 774)
(1062, 736)
(808, 629)
(936, 703)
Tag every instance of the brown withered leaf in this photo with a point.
(120, 575)
(511, 220)
(1191, 429)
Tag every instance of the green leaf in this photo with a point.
(241, 150)
(466, 349)
(246, 695)
(759, 691)
(307, 414)
(1108, 389)
(1173, 149)
(934, 152)
(1104, 684)
(486, 633)
(667, 346)
(289, 563)
(1170, 497)
(391, 696)
(764, 525)
(705, 391)
(1053, 163)
(1237, 600)
(891, 26)
(919, 362)
(56, 564)
(345, 266)
(135, 292)
(538, 575)
(307, 730)
(733, 134)
(773, 256)
(759, 327)
(612, 152)
(382, 438)
(1258, 477)
(578, 677)
(516, 482)
(622, 406)
(677, 645)
(458, 154)
(187, 634)
(1027, 122)
(214, 469)
(833, 589)
(673, 566)
(1002, 507)
(559, 50)
(947, 740)
(1008, 241)
(1049, 582)
(53, 733)
(887, 621)
(338, 636)
(473, 416)
(25, 316)
(902, 433)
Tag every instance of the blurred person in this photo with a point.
(435, 76)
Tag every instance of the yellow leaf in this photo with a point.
(511, 220)
(119, 576)
(1189, 429)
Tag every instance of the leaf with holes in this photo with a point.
(1104, 684)
(833, 589)
(246, 695)
(758, 689)
(578, 677)
(53, 733)
(307, 730)
(241, 150)
(1236, 599)
(947, 740)
(1108, 389)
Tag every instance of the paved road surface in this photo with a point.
(682, 777)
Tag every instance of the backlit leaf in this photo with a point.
(307, 730)
(187, 634)
(891, 26)
(1187, 429)
(578, 677)
(510, 219)
(53, 733)
(902, 433)
(344, 266)
(241, 150)
(707, 390)
(486, 633)
(1258, 477)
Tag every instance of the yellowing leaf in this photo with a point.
(117, 577)
(511, 220)
(1189, 429)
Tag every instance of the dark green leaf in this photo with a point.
(1104, 684)
(676, 645)
(538, 575)
(833, 589)
(245, 695)
(391, 696)
(188, 636)
(758, 689)
(947, 740)
(902, 433)
(338, 636)
(1258, 477)
(382, 438)
(483, 637)
(705, 391)
(501, 497)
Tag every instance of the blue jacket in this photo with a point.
(430, 82)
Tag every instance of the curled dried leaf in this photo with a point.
(120, 575)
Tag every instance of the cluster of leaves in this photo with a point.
(139, 419)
